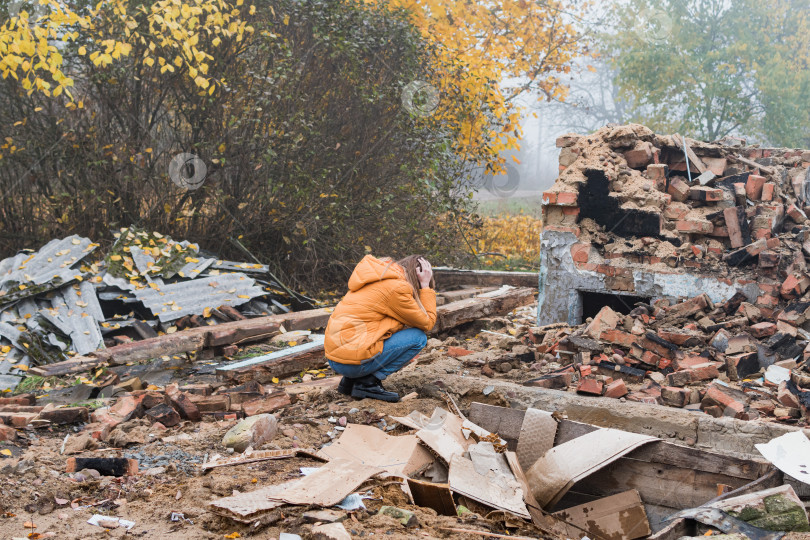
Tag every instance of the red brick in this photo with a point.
(767, 191)
(753, 187)
(576, 231)
(794, 286)
(705, 194)
(786, 397)
(617, 337)
(7, 433)
(164, 414)
(553, 381)
(98, 430)
(187, 409)
(127, 407)
(715, 397)
(658, 174)
(616, 389)
(733, 225)
(566, 198)
(210, 404)
(267, 404)
(763, 329)
(796, 214)
(640, 156)
(678, 189)
(22, 399)
(580, 252)
(549, 197)
(694, 226)
(198, 389)
(675, 397)
(65, 415)
(458, 352)
(704, 372)
(676, 211)
(590, 386)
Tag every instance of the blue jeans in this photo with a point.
(398, 350)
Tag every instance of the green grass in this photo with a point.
(498, 207)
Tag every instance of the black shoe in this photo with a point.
(371, 387)
(345, 386)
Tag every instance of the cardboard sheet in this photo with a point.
(618, 517)
(328, 485)
(790, 453)
(494, 490)
(443, 435)
(247, 507)
(430, 495)
(537, 435)
(561, 467)
(402, 455)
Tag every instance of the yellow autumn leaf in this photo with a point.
(275, 380)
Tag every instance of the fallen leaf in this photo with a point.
(5, 452)
(233, 535)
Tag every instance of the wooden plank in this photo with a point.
(504, 421)
(667, 453)
(746, 161)
(284, 366)
(447, 297)
(457, 313)
(453, 277)
(693, 158)
(657, 483)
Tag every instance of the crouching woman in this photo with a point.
(380, 325)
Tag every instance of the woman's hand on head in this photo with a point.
(424, 272)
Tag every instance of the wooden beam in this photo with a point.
(693, 158)
(746, 161)
(447, 278)
(471, 309)
(195, 339)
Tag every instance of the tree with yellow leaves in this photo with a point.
(482, 44)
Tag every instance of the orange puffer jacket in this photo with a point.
(379, 302)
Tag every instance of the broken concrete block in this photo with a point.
(253, 431)
(406, 517)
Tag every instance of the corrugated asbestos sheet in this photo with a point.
(172, 302)
(26, 275)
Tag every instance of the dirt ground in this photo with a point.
(36, 490)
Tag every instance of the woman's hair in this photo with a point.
(410, 264)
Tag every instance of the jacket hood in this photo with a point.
(371, 270)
